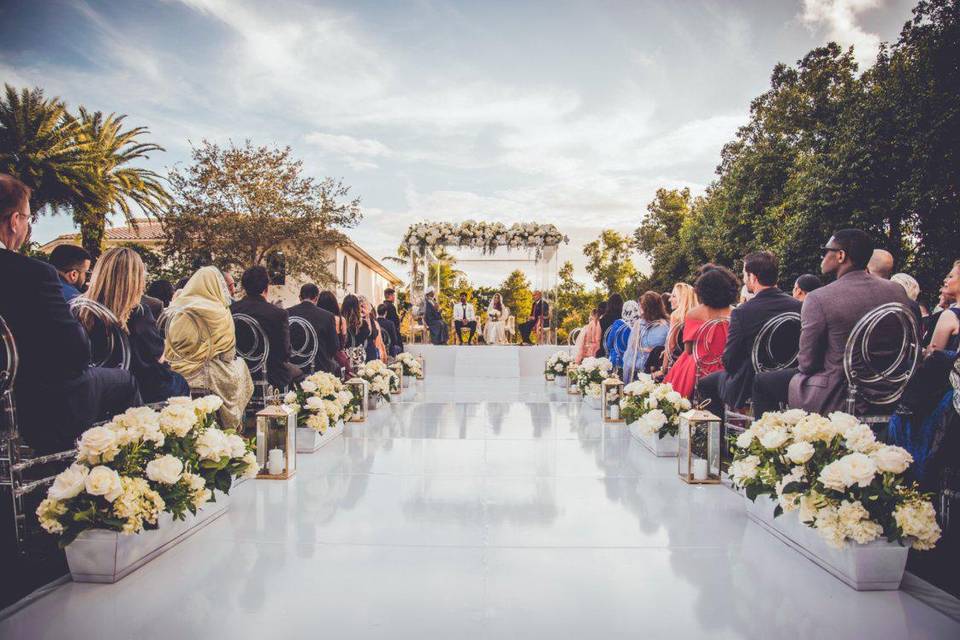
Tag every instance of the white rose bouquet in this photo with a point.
(837, 477)
(319, 401)
(558, 364)
(656, 407)
(591, 373)
(379, 377)
(411, 366)
(143, 463)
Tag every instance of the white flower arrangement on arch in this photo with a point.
(487, 236)
(142, 463)
(837, 477)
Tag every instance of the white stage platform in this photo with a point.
(481, 361)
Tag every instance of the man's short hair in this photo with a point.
(763, 265)
(808, 282)
(255, 280)
(382, 309)
(309, 291)
(13, 196)
(857, 244)
(67, 257)
(389, 292)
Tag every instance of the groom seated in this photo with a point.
(539, 318)
(464, 316)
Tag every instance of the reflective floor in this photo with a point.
(480, 509)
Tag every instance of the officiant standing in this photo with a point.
(539, 317)
(434, 320)
(464, 316)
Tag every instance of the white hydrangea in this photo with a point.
(178, 419)
(744, 469)
(213, 444)
(918, 520)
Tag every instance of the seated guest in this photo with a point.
(683, 298)
(389, 329)
(155, 305)
(358, 331)
(328, 301)
(274, 321)
(57, 394)
(201, 344)
(374, 343)
(588, 340)
(945, 333)
(464, 315)
(649, 332)
(881, 264)
(612, 313)
(390, 300)
(929, 323)
(733, 384)
(665, 299)
(162, 290)
(717, 289)
(433, 319)
(323, 323)
(619, 334)
(911, 286)
(539, 317)
(804, 285)
(117, 283)
(827, 318)
(72, 264)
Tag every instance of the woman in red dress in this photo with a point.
(717, 288)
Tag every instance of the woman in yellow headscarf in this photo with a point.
(201, 343)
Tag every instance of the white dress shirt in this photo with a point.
(464, 311)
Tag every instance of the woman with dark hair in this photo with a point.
(374, 344)
(612, 313)
(647, 334)
(588, 340)
(357, 331)
(717, 289)
(328, 302)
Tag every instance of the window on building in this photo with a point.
(356, 277)
(343, 279)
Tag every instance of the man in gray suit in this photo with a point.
(827, 318)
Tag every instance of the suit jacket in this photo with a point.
(53, 347)
(745, 323)
(276, 324)
(323, 323)
(541, 311)
(827, 317)
(394, 317)
(464, 312)
(154, 304)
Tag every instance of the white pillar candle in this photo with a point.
(275, 462)
(699, 469)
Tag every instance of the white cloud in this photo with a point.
(840, 19)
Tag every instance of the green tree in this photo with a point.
(111, 150)
(609, 260)
(657, 237)
(39, 145)
(517, 295)
(237, 205)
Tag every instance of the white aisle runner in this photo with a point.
(487, 362)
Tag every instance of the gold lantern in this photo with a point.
(277, 442)
(698, 455)
(360, 388)
(611, 392)
(396, 381)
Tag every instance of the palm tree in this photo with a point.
(111, 150)
(38, 145)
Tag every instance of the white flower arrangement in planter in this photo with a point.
(557, 365)
(379, 377)
(411, 366)
(590, 373)
(652, 412)
(143, 469)
(834, 477)
(323, 404)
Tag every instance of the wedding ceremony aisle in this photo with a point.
(479, 508)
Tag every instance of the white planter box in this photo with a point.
(593, 402)
(309, 440)
(409, 381)
(373, 402)
(98, 555)
(563, 382)
(875, 566)
(665, 447)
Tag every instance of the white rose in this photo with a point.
(103, 481)
(212, 445)
(252, 468)
(178, 419)
(238, 448)
(745, 439)
(859, 469)
(208, 404)
(290, 398)
(674, 398)
(744, 469)
(98, 444)
(187, 400)
(314, 403)
(69, 483)
(792, 416)
(800, 452)
(165, 469)
(859, 437)
(833, 476)
(891, 459)
(308, 386)
(843, 421)
(774, 438)
(656, 418)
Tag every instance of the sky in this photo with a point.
(571, 113)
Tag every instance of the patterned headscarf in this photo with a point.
(631, 311)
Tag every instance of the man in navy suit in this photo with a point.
(58, 395)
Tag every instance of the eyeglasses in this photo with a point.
(825, 250)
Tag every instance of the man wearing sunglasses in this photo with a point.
(827, 318)
(73, 265)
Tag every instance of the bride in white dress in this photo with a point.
(495, 330)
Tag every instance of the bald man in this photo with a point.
(881, 264)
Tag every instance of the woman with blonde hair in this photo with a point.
(118, 283)
(201, 344)
(683, 298)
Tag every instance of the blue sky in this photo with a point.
(565, 112)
